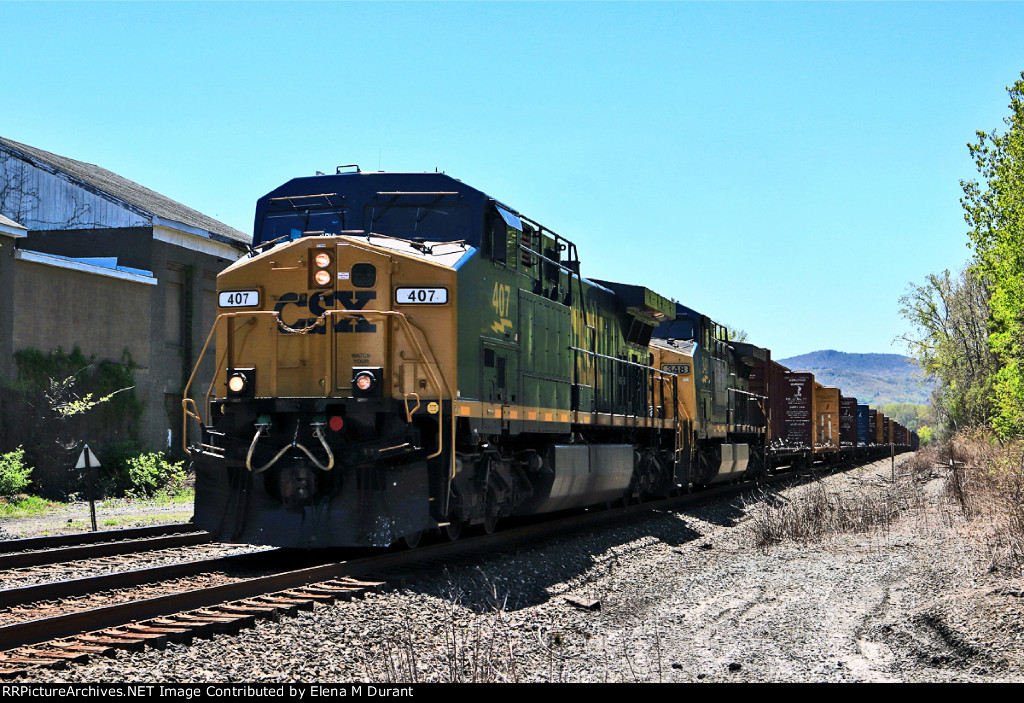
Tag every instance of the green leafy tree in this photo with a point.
(994, 210)
(949, 340)
(910, 415)
(736, 335)
(925, 433)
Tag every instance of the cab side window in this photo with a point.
(497, 237)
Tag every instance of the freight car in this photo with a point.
(402, 353)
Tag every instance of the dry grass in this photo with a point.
(922, 464)
(985, 481)
(813, 513)
(479, 648)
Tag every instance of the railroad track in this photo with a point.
(38, 551)
(50, 632)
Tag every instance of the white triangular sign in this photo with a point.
(93, 461)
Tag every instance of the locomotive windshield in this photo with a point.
(436, 223)
(677, 329)
(293, 223)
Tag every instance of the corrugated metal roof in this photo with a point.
(117, 187)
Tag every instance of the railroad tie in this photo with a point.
(375, 586)
(308, 594)
(50, 654)
(235, 621)
(283, 607)
(263, 612)
(289, 605)
(178, 635)
(91, 649)
(132, 645)
(33, 662)
(200, 626)
(153, 639)
(339, 591)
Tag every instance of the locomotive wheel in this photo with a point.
(627, 499)
(412, 540)
(490, 524)
(453, 529)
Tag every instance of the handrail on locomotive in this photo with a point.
(189, 408)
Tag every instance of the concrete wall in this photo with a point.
(184, 307)
(6, 308)
(59, 307)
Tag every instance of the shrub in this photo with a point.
(14, 475)
(986, 483)
(61, 399)
(813, 513)
(151, 473)
(115, 477)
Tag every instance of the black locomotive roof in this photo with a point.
(682, 326)
(353, 192)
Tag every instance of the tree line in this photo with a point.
(968, 327)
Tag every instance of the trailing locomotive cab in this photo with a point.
(727, 439)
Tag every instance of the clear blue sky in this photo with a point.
(786, 168)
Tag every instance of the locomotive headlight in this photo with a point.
(236, 384)
(367, 381)
(241, 383)
(364, 381)
(322, 267)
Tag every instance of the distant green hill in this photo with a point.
(874, 379)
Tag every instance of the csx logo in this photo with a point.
(322, 301)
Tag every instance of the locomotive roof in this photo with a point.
(371, 182)
(358, 188)
(684, 311)
(640, 299)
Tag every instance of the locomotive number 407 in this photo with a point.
(421, 296)
(239, 299)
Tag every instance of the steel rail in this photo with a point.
(88, 585)
(71, 624)
(18, 560)
(27, 544)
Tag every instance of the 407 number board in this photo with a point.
(421, 296)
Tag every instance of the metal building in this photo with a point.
(91, 259)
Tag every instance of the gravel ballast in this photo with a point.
(667, 596)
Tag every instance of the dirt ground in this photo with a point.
(110, 515)
(682, 596)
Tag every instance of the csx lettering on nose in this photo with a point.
(319, 303)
